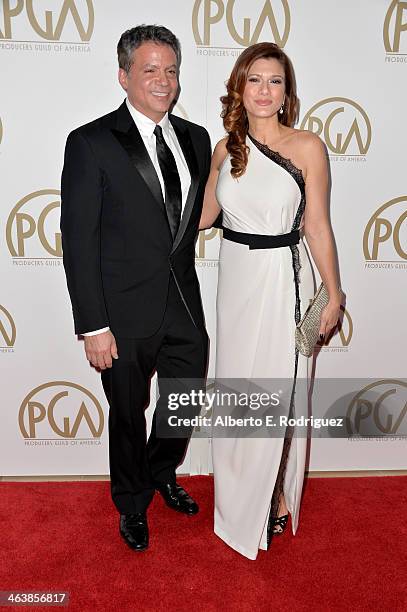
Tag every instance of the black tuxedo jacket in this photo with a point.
(118, 251)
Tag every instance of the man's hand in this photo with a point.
(100, 349)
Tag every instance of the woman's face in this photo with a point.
(265, 88)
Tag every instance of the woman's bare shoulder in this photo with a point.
(219, 153)
(220, 148)
(307, 141)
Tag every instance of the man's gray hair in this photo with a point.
(132, 39)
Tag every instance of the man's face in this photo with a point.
(152, 81)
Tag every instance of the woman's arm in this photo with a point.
(211, 208)
(317, 228)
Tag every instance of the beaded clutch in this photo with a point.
(307, 330)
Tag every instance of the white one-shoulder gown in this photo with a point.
(261, 295)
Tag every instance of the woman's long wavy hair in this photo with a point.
(234, 113)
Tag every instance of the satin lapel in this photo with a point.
(133, 144)
(184, 139)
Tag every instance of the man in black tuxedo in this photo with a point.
(132, 190)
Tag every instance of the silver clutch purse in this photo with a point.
(307, 330)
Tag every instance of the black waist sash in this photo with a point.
(262, 241)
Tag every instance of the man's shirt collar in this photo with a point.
(144, 124)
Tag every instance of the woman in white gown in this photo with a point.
(270, 182)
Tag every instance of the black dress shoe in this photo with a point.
(134, 530)
(177, 498)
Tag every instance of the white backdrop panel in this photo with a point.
(59, 71)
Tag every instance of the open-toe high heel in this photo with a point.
(279, 524)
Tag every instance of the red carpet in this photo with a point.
(350, 552)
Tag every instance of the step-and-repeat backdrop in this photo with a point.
(59, 70)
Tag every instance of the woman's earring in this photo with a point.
(281, 109)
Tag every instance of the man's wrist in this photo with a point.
(97, 331)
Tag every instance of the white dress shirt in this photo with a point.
(146, 128)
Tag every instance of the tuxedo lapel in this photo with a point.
(130, 139)
(184, 139)
(127, 134)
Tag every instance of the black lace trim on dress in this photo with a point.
(297, 175)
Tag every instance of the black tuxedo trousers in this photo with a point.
(178, 352)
